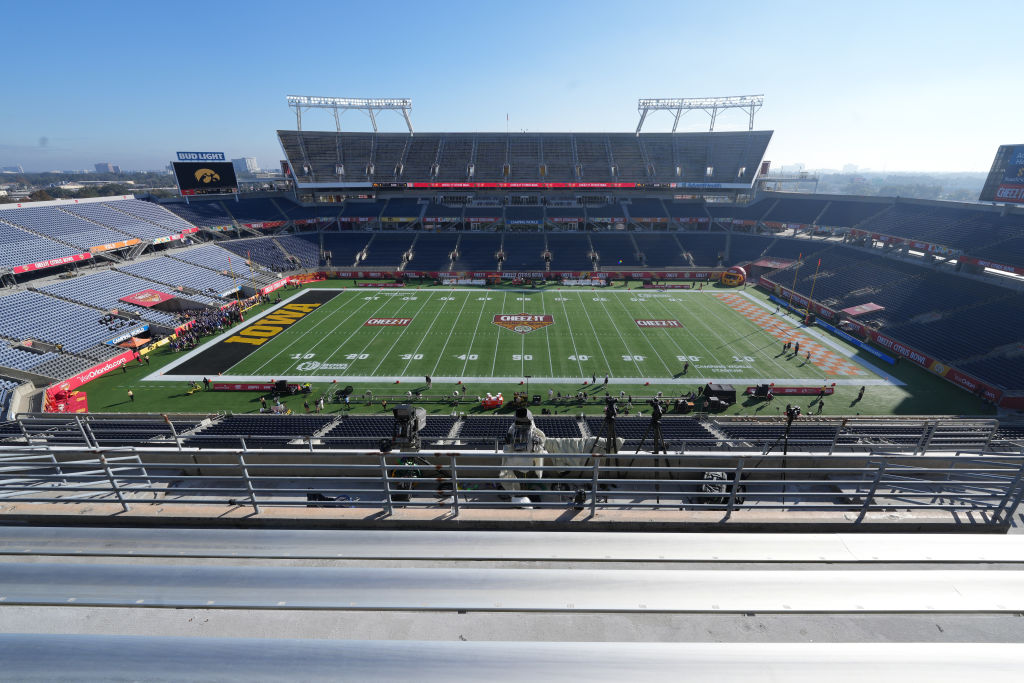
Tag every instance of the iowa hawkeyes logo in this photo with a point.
(207, 176)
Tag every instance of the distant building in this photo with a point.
(13, 169)
(107, 168)
(245, 166)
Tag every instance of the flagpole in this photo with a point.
(813, 282)
(799, 260)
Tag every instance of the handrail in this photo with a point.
(985, 482)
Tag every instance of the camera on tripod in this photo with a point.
(792, 413)
(409, 421)
(657, 409)
(611, 408)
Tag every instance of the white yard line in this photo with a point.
(450, 333)
(325, 337)
(424, 337)
(575, 352)
(379, 331)
(547, 332)
(483, 305)
(607, 365)
(770, 357)
(497, 339)
(629, 316)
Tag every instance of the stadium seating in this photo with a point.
(400, 210)
(342, 247)
(745, 248)
(260, 250)
(608, 213)
(636, 427)
(21, 247)
(110, 216)
(646, 209)
(29, 315)
(204, 213)
(254, 210)
(686, 210)
(661, 250)
(177, 273)
(387, 250)
(705, 247)
(52, 222)
(527, 157)
(570, 251)
(104, 290)
(849, 213)
(260, 431)
(751, 212)
(792, 210)
(615, 249)
(153, 213)
(432, 252)
(306, 248)
(523, 252)
(478, 251)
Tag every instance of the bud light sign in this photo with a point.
(201, 156)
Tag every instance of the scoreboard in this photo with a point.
(1005, 182)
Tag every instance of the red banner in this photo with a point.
(92, 373)
(51, 263)
(274, 286)
(265, 225)
(983, 263)
(147, 298)
(226, 386)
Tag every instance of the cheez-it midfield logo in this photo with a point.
(522, 322)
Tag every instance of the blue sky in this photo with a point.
(898, 86)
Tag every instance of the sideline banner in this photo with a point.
(92, 373)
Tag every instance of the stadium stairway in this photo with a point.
(275, 604)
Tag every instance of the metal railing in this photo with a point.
(978, 487)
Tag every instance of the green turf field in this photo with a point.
(159, 387)
(563, 336)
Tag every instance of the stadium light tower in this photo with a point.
(709, 105)
(339, 105)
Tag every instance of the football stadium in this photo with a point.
(434, 346)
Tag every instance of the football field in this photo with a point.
(565, 335)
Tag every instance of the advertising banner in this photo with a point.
(135, 331)
(114, 245)
(274, 286)
(96, 371)
(51, 263)
(147, 298)
(984, 263)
